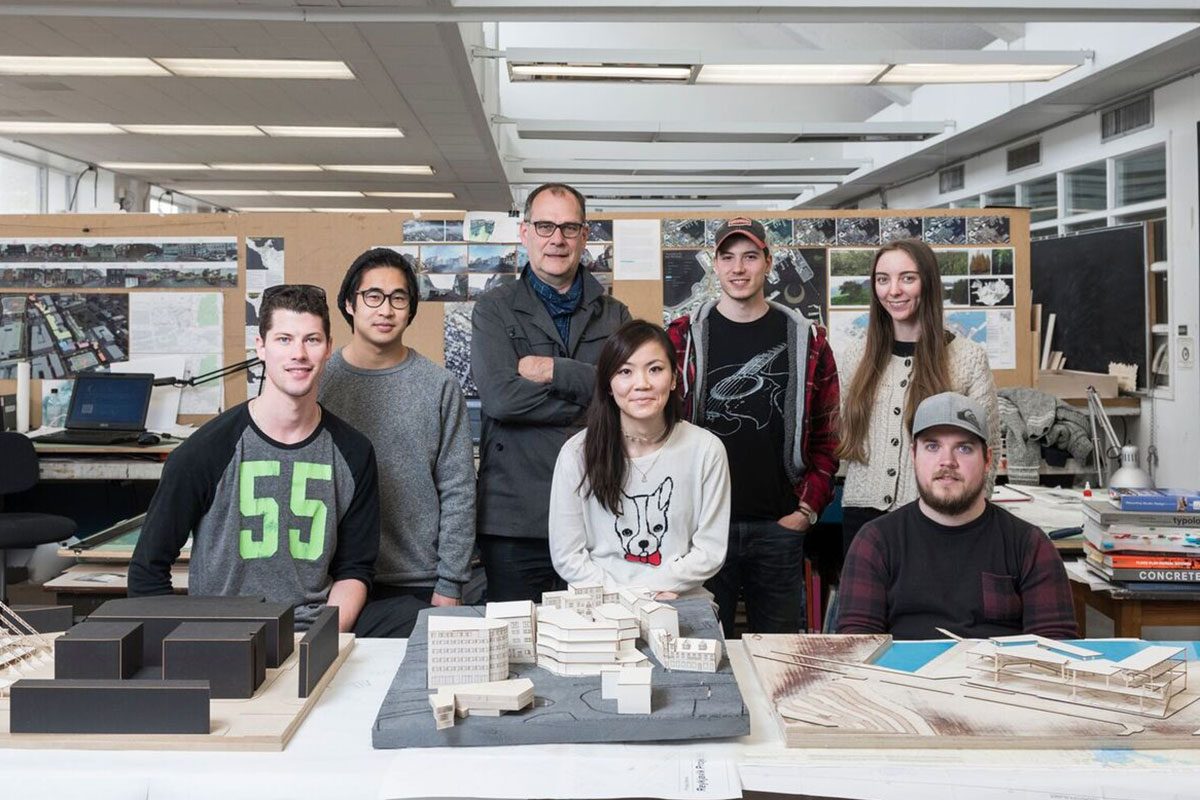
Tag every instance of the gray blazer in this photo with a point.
(524, 423)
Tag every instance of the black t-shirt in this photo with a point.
(747, 382)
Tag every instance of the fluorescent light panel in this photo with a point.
(205, 191)
(81, 66)
(247, 167)
(789, 73)
(602, 72)
(353, 210)
(256, 68)
(415, 195)
(148, 166)
(274, 209)
(315, 193)
(58, 127)
(974, 73)
(193, 130)
(391, 169)
(331, 132)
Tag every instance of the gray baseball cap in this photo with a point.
(951, 408)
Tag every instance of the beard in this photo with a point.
(957, 500)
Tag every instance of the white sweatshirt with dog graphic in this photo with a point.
(673, 526)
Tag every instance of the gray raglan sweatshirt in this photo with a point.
(416, 417)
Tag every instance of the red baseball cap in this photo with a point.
(742, 226)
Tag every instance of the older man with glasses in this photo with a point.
(534, 346)
(415, 413)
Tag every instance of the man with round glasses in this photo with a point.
(415, 413)
(534, 347)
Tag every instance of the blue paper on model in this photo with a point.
(1166, 500)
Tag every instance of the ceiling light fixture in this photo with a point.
(331, 132)
(205, 191)
(415, 195)
(69, 128)
(671, 73)
(249, 167)
(273, 209)
(150, 166)
(352, 210)
(315, 193)
(974, 73)
(781, 74)
(256, 68)
(80, 66)
(193, 130)
(391, 169)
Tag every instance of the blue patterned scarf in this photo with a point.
(560, 305)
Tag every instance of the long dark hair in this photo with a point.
(603, 444)
(931, 370)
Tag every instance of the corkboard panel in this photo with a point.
(318, 247)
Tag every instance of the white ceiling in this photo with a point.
(430, 67)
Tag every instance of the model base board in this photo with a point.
(835, 691)
(267, 721)
(566, 709)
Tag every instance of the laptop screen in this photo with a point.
(110, 401)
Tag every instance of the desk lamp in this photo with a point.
(1130, 475)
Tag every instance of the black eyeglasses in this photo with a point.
(373, 298)
(295, 289)
(545, 228)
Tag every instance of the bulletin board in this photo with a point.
(818, 257)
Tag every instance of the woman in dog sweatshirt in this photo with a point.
(640, 498)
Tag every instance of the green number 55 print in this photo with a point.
(300, 504)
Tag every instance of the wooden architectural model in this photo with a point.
(1008, 692)
(483, 699)
(465, 650)
(519, 616)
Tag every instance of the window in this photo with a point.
(1141, 177)
(966, 202)
(1042, 198)
(1086, 189)
(1001, 197)
(20, 183)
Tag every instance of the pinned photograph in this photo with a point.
(849, 291)
(798, 279)
(892, 229)
(688, 281)
(858, 231)
(597, 258)
(779, 231)
(442, 287)
(456, 344)
(991, 291)
(444, 258)
(683, 233)
(987, 230)
(479, 284)
(1002, 261)
(454, 230)
(710, 230)
(851, 262)
(945, 230)
(62, 334)
(424, 230)
(979, 262)
(814, 231)
(491, 258)
(600, 230)
(956, 291)
(951, 262)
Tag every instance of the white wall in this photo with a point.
(1176, 411)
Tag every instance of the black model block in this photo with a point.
(106, 706)
(99, 651)
(44, 618)
(161, 614)
(318, 649)
(231, 656)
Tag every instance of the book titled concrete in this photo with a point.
(566, 709)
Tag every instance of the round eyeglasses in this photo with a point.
(374, 298)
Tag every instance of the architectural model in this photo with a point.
(482, 699)
(675, 653)
(519, 615)
(22, 649)
(464, 650)
(571, 707)
(1007, 692)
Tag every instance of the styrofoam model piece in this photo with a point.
(633, 690)
(653, 615)
(580, 598)
(484, 699)
(465, 650)
(569, 643)
(21, 648)
(522, 637)
(686, 654)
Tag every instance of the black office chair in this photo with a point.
(20, 529)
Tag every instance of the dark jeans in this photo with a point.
(517, 569)
(765, 566)
(853, 518)
(389, 618)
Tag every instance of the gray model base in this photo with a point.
(686, 705)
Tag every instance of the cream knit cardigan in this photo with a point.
(887, 481)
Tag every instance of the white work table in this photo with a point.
(331, 757)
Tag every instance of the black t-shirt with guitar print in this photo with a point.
(747, 383)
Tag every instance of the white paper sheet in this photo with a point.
(637, 250)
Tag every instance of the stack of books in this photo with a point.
(1145, 538)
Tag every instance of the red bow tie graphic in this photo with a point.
(654, 559)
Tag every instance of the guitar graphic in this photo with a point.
(729, 398)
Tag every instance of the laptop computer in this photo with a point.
(106, 408)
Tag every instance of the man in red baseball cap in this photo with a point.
(761, 377)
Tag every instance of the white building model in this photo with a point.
(1142, 683)
(481, 699)
(685, 655)
(465, 650)
(520, 616)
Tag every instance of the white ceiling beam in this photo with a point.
(604, 55)
(1008, 32)
(764, 11)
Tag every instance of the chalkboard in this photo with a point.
(1095, 282)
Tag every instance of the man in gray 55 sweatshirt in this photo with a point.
(414, 413)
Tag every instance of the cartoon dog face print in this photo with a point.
(641, 524)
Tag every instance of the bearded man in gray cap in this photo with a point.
(951, 559)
